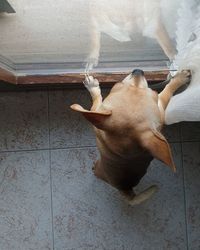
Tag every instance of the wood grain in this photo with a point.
(7, 76)
(75, 79)
(105, 78)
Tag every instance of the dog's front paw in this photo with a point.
(91, 82)
(183, 77)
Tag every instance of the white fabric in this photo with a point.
(186, 105)
(119, 19)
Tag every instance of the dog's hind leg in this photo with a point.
(93, 87)
(165, 41)
(99, 172)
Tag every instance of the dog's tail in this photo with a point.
(143, 196)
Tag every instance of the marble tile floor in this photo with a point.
(49, 198)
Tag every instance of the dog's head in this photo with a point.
(131, 111)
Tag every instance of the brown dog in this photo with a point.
(127, 126)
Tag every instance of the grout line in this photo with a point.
(46, 149)
(50, 173)
(71, 147)
(23, 150)
(184, 197)
(51, 194)
(188, 141)
(173, 141)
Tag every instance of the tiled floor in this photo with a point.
(49, 198)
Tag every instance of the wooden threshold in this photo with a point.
(7, 76)
(73, 79)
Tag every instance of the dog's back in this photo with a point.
(120, 142)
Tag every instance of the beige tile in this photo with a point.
(89, 214)
(69, 128)
(191, 163)
(172, 133)
(190, 131)
(24, 120)
(25, 201)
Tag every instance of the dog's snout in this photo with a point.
(136, 78)
(138, 72)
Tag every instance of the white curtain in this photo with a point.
(123, 20)
(186, 105)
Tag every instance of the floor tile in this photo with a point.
(190, 131)
(172, 133)
(191, 163)
(24, 120)
(89, 214)
(69, 128)
(25, 201)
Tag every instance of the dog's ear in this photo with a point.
(95, 117)
(159, 148)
